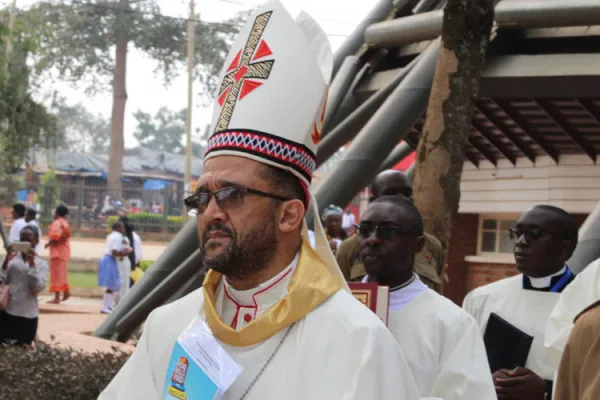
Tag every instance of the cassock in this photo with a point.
(300, 335)
(582, 292)
(442, 344)
(525, 303)
(340, 350)
(578, 372)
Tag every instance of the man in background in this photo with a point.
(18, 214)
(442, 343)
(518, 307)
(30, 215)
(429, 263)
(348, 221)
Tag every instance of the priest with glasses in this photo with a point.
(512, 313)
(274, 318)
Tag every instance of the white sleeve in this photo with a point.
(579, 294)
(115, 243)
(15, 231)
(137, 245)
(135, 380)
(464, 372)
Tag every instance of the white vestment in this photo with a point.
(442, 344)
(340, 350)
(528, 310)
(583, 291)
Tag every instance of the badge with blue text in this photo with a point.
(199, 368)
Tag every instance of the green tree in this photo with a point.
(79, 129)
(49, 195)
(162, 132)
(24, 123)
(80, 38)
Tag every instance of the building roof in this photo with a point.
(538, 96)
(140, 162)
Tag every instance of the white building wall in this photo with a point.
(573, 184)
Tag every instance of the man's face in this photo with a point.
(236, 241)
(333, 224)
(540, 249)
(385, 257)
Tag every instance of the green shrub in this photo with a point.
(150, 222)
(145, 264)
(55, 374)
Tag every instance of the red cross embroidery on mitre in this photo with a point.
(246, 66)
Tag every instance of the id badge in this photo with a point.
(199, 368)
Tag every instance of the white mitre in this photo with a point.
(271, 103)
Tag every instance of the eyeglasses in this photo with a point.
(227, 198)
(530, 233)
(383, 232)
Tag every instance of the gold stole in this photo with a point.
(310, 286)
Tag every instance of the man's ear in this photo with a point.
(419, 244)
(291, 215)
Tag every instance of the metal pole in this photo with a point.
(182, 246)
(349, 128)
(193, 283)
(339, 88)
(410, 173)
(382, 133)
(188, 123)
(356, 38)
(157, 297)
(399, 153)
(510, 14)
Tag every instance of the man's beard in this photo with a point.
(246, 254)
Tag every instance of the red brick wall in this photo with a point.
(465, 276)
(481, 274)
(463, 242)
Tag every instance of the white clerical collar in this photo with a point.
(275, 288)
(403, 295)
(546, 281)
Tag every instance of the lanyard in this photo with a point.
(560, 284)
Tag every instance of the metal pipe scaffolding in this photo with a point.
(399, 153)
(351, 126)
(357, 37)
(381, 134)
(508, 14)
(158, 296)
(339, 88)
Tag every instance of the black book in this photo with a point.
(506, 345)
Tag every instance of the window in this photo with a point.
(493, 234)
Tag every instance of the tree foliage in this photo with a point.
(79, 38)
(24, 122)
(163, 131)
(79, 129)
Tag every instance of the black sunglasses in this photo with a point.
(383, 232)
(530, 233)
(227, 198)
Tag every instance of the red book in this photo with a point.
(376, 297)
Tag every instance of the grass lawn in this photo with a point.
(83, 280)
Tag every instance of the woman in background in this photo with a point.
(332, 222)
(60, 254)
(26, 275)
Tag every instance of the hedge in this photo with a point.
(150, 222)
(55, 374)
